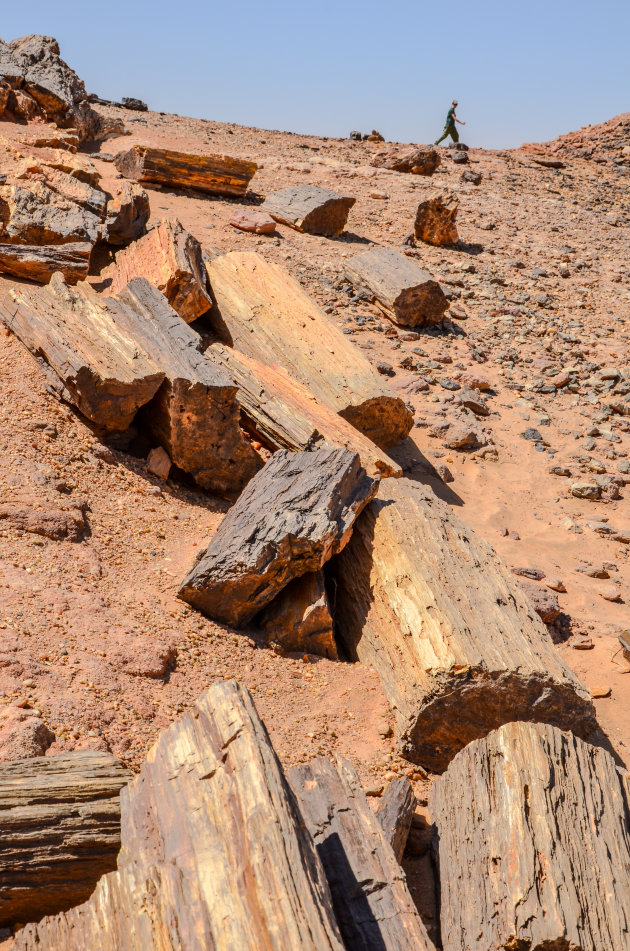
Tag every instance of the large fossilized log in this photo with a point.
(284, 414)
(265, 314)
(458, 648)
(214, 850)
(299, 618)
(310, 208)
(395, 812)
(407, 294)
(292, 517)
(40, 262)
(215, 174)
(60, 821)
(170, 258)
(372, 903)
(534, 844)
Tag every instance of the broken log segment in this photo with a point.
(369, 891)
(214, 850)
(214, 174)
(60, 819)
(458, 648)
(419, 161)
(534, 844)
(40, 262)
(407, 294)
(310, 208)
(395, 811)
(264, 313)
(289, 520)
(299, 618)
(436, 219)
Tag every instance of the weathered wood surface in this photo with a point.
(39, 262)
(436, 219)
(534, 845)
(60, 831)
(395, 811)
(458, 648)
(92, 363)
(284, 414)
(310, 208)
(265, 314)
(214, 850)
(419, 161)
(214, 174)
(169, 257)
(127, 214)
(299, 618)
(374, 908)
(289, 520)
(405, 292)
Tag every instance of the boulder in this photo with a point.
(310, 208)
(419, 161)
(435, 219)
(407, 294)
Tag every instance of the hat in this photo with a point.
(455, 102)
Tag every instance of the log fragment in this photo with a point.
(292, 517)
(436, 219)
(213, 174)
(534, 844)
(299, 618)
(128, 211)
(39, 262)
(372, 903)
(458, 648)
(395, 812)
(310, 208)
(407, 294)
(419, 161)
(263, 312)
(60, 821)
(214, 850)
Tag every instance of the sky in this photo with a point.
(522, 72)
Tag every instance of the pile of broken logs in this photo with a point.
(283, 415)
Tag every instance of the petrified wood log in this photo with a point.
(436, 219)
(369, 891)
(265, 314)
(418, 161)
(310, 208)
(406, 293)
(214, 850)
(215, 174)
(534, 844)
(128, 211)
(170, 258)
(284, 414)
(60, 821)
(40, 262)
(292, 517)
(395, 811)
(457, 646)
(299, 618)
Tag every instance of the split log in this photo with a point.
(40, 262)
(458, 648)
(299, 618)
(406, 293)
(374, 908)
(265, 314)
(214, 174)
(534, 844)
(170, 258)
(310, 208)
(284, 414)
(395, 812)
(214, 850)
(436, 219)
(60, 820)
(292, 517)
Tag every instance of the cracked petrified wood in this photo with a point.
(299, 618)
(214, 850)
(372, 903)
(436, 219)
(264, 313)
(289, 520)
(406, 293)
(310, 208)
(60, 822)
(458, 648)
(214, 174)
(533, 838)
(395, 811)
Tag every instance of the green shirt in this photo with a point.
(450, 118)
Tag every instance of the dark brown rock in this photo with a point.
(299, 618)
(435, 219)
(310, 208)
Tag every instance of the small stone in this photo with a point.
(374, 790)
(385, 368)
(555, 584)
(601, 692)
(256, 222)
(581, 643)
(472, 177)
(532, 435)
(610, 592)
(159, 463)
(586, 490)
(460, 158)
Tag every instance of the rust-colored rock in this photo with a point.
(435, 219)
(407, 294)
(299, 618)
(310, 208)
(419, 161)
(128, 211)
(255, 221)
(213, 174)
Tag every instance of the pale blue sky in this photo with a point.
(522, 71)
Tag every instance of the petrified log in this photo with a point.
(299, 618)
(265, 314)
(215, 174)
(91, 362)
(534, 844)
(395, 811)
(284, 414)
(170, 258)
(406, 293)
(60, 820)
(40, 262)
(292, 517)
(436, 217)
(420, 161)
(214, 850)
(457, 646)
(127, 214)
(310, 208)
(369, 891)
(34, 212)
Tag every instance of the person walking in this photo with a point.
(450, 128)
